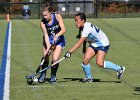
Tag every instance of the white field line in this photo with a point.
(7, 73)
(63, 85)
(51, 86)
(124, 42)
(25, 44)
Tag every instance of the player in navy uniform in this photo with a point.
(53, 34)
(98, 46)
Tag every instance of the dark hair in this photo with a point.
(47, 7)
(82, 16)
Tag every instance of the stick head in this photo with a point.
(30, 81)
(29, 77)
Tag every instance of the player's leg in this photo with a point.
(41, 79)
(90, 53)
(108, 64)
(55, 56)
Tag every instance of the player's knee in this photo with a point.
(86, 61)
(54, 60)
(99, 63)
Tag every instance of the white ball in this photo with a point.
(35, 80)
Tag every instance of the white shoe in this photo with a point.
(87, 80)
(120, 72)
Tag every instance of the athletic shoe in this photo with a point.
(120, 72)
(53, 79)
(41, 79)
(87, 80)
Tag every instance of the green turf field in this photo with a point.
(27, 51)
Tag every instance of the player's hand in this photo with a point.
(55, 39)
(68, 54)
(47, 51)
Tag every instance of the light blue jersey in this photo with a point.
(94, 35)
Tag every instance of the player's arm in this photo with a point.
(85, 33)
(77, 45)
(45, 33)
(61, 23)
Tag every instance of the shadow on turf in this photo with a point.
(80, 80)
(136, 90)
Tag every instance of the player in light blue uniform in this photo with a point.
(99, 45)
(53, 34)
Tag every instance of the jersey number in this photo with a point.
(96, 28)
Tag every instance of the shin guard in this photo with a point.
(45, 64)
(54, 69)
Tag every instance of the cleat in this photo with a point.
(41, 79)
(53, 79)
(120, 72)
(87, 80)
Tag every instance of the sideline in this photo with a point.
(5, 66)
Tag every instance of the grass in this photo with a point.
(27, 51)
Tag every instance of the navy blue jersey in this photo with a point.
(52, 28)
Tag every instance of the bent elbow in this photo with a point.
(64, 31)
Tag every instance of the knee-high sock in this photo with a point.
(110, 65)
(87, 70)
(45, 64)
(54, 69)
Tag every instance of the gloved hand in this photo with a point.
(68, 54)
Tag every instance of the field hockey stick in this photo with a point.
(32, 76)
(52, 64)
(43, 59)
